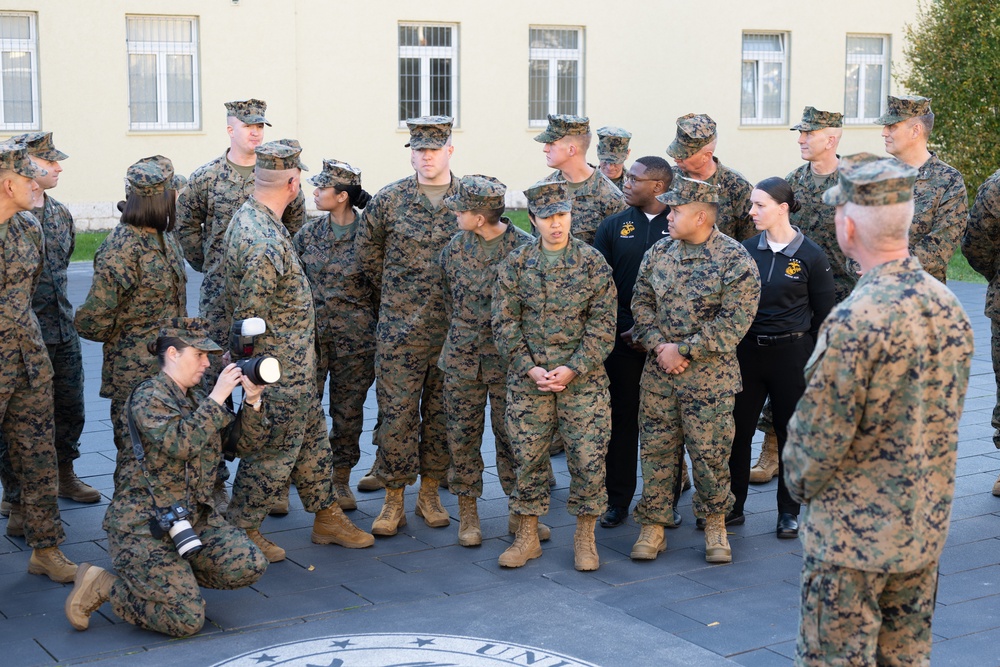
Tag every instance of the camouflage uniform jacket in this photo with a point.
(469, 274)
(872, 445)
(815, 219)
(180, 439)
(939, 217)
(734, 201)
(703, 295)
(264, 278)
(21, 344)
(595, 199)
(551, 315)
(981, 243)
(400, 238)
(342, 296)
(136, 284)
(619, 182)
(51, 299)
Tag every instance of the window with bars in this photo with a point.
(555, 73)
(428, 71)
(163, 77)
(18, 72)
(867, 79)
(764, 97)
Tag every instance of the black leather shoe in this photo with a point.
(615, 516)
(788, 526)
(677, 519)
(732, 519)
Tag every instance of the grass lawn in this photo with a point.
(86, 245)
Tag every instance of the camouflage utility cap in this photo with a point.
(475, 192)
(191, 330)
(694, 132)
(250, 112)
(687, 191)
(873, 183)
(14, 157)
(858, 159)
(152, 176)
(612, 144)
(562, 125)
(280, 155)
(814, 119)
(39, 144)
(336, 173)
(900, 108)
(546, 198)
(429, 131)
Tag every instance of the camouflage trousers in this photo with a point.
(158, 590)
(851, 617)
(667, 424)
(350, 378)
(298, 448)
(465, 410)
(412, 436)
(67, 394)
(583, 418)
(26, 424)
(995, 347)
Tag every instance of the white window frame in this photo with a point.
(425, 54)
(758, 57)
(29, 46)
(553, 56)
(862, 59)
(162, 49)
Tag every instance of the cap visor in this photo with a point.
(679, 151)
(834, 196)
(30, 170)
(206, 345)
(550, 210)
(547, 137)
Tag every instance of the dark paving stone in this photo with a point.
(969, 585)
(965, 618)
(973, 529)
(969, 556)
(761, 658)
(24, 653)
(230, 610)
(663, 590)
(962, 651)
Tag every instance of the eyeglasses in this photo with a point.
(634, 179)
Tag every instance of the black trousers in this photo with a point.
(775, 371)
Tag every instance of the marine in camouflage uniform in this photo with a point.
(939, 196)
(595, 197)
(139, 279)
(555, 308)
(694, 300)
(693, 149)
(981, 246)
(612, 151)
(872, 446)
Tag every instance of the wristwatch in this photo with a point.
(684, 350)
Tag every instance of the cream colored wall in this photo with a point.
(328, 72)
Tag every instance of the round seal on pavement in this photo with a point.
(399, 650)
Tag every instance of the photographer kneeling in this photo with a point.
(163, 505)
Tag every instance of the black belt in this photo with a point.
(780, 339)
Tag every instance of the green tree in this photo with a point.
(953, 57)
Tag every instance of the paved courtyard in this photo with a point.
(423, 593)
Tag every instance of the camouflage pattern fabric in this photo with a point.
(854, 617)
(939, 218)
(815, 219)
(345, 307)
(734, 201)
(214, 193)
(595, 199)
(51, 300)
(706, 296)
(618, 182)
(472, 366)
(549, 315)
(872, 445)
(902, 107)
(981, 246)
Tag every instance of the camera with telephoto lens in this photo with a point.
(173, 521)
(261, 370)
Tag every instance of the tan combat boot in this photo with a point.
(70, 486)
(332, 526)
(5, 507)
(220, 498)
(525, 546)
(513, 521)
(272, 551)
(716, 541)
(342, 489)
(392, 517)
(584, 548)
(53, 563)
(15, 522)
(651, 542)
(280, 506)
(91, 590)
(469, 532)
(996, 487)
(370, 482)
(429, 503)
(766, 467)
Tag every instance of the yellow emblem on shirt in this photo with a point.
(794, 266)
(627, 228)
